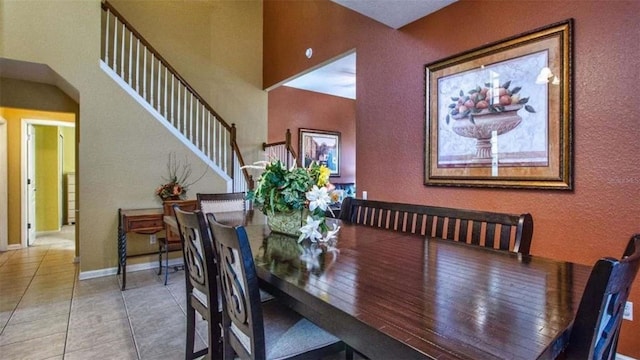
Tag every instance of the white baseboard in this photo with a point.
(84, 275)
(623, 357)
(14, 247)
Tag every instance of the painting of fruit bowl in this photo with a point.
(483, 111)
(500, 115)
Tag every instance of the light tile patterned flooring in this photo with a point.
(46, 313)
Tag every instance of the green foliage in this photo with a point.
(282, 190)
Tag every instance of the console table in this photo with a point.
(139, 221)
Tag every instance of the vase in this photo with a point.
(288, 223)
(484, 125)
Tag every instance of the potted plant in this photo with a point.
(295, 200)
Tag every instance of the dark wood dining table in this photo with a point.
(391, 295)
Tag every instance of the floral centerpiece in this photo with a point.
(177, 183)
(295, 200)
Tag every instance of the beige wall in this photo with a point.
(122, 150)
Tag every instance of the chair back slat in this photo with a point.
(447, 223)
(596, 327)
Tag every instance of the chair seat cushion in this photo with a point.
(288, 334)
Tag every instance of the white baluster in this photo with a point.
(173, 83)
(159, 81)
(166, 77)
(151, 81)
(106, 38)
(122, 53)
(144, 75)
(130, 54)
(115, 46)
(138, 66)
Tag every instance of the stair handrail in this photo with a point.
(236, 155)
(282, 150)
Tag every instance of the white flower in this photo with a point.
(318, 198)
(311, 230)
(331, 234)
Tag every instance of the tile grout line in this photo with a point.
(73, 290)
(133, 336)
(25, 289)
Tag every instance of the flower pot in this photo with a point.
(288, 223)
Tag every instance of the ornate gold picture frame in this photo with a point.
(501, 115)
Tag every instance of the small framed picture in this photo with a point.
(322, 147)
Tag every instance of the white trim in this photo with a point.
(4, 179)
(23, 170)
(14, 247)
(140, 100)
(130, 268)
(623, 357)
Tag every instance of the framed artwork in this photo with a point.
(322, 147)
(501, 115)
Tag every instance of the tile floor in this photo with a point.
(47, 313)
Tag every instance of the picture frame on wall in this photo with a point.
(320, 146)
(501, 115)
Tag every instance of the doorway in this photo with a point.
(48, 170)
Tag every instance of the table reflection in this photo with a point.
(285, 256)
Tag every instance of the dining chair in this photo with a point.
(171, 241)
(200, 281)
(255, 330)
(596, 327)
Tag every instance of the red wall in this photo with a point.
(293, 109)
(594, 220)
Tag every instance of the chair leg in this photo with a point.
(160, 260)
(348, 352)
(191, 329)
(166, 261)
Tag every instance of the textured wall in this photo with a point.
(594, 220)
(293, 109)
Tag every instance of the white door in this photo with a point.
(31, 185)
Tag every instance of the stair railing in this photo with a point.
(152, 78)
(281, 150)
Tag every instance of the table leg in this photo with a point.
(122, 252)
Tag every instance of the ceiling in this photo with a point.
(338, 77)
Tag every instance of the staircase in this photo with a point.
(281, 150)
(141, 71)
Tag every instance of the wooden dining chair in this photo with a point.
(200, 281)
(596, 327)
(171, 241)
(255, 330)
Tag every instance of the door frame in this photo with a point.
(4, 179)
(23, 169)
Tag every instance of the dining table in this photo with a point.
(394, 295)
